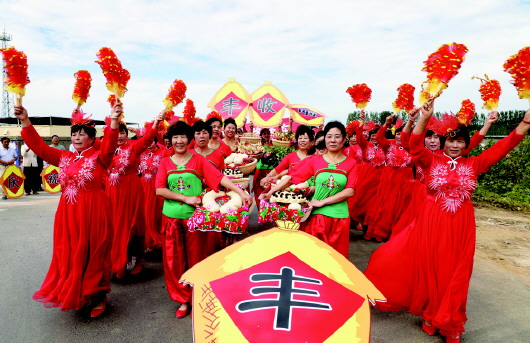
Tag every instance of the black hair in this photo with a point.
(263, 131)
(89, 129)
(5, 139)
(338, 125)
(303, 129)
(430, 133)
(55, 136)
(229, 121)
(123, 127)
(319, 134)
(212, 120)
(201, 125)
(179, 128)
(462, 132)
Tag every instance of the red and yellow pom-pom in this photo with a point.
(82, 87)
(360, 95)
(490, 92)
(111, 99)
(441, 66)
(214, 114)
(188, 116)
(117, 77)
(16, 68)
(352, 127)
(519, 67)
(80, 118)
(175, 95)
(466, 113)
(405, 98)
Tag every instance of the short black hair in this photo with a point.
(229, 121)
(5, 139)
(55, 136)
(89, 129)
(461, 132)
(303, 129)
(213, 120)
(179, 128)
(123, 127)
(263, 131)
(335, 124)
(201, 125)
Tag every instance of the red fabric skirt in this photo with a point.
(364, 191)
(80, 266)
(427, 267)
(333, 231)
(152, 207)
(393, 194)
(182, 250)
(127, 218)
(411, 212)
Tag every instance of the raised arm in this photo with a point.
(380, 135)
(110, 141)
(144, 142)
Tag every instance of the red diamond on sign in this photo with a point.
(287, 300)
(52, 178)
(230, 106)
(267, 106)
(13, 183)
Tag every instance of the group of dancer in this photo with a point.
(412, 192)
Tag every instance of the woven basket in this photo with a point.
(247, 139)
(283, 144)
(243, 182)
(257, 156)
(248, 168)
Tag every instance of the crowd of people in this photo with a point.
(411, 189)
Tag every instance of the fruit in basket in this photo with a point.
(249, 148)
(235, 158)
(249, 134)
(284, 136)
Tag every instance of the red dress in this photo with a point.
(426, 268)
(393, 192)
(369, 174)
(122, 188)
(151, 203)
(80, 266)
(290, 160)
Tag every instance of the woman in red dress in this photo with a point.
(215, 143)
(152, 203)
(122, 188)
(262, 168)
(426, 269)
(180, 181)
(79, 273)
(230, 130)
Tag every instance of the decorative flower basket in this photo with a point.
(271, 212)
(250, 139)
(233, 223)
(248, 168)
(283, 144)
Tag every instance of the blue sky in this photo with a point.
(311, 50)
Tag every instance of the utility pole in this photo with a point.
(7, 100)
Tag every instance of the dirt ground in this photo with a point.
(503, 237)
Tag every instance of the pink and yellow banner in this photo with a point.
(12, 182)
(231, 101)
(268, 106)
(306, 115)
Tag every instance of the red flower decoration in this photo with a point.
(214, 114)
(189, 113)
(81, 118)
(449, 123)
(405, 98)
(82, 87)
(441, 66)
(360, 95)
(369, 126)
(16, 68)
(117, 77)
(175, 95)
(352, 127)
(519, 67)
(490, 92)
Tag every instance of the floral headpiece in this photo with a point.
(448, 125)
(81, 118)
(214, 114)
(369, 126)
(352, 127)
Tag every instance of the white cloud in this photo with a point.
(311, 50)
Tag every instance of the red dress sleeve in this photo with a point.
(381, 139)
(224, 149)
(217, 160)
(361, 140)
(420, 154)
(352, 176)
(405, 140)
(36, 143)
(212, 176)
(286, 162)
(300, 175)
(474, 142)
(161, 174)
(497, 152)
(144, 142)
(108, 146)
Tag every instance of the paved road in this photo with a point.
(141, 311)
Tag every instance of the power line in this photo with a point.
(7, 100)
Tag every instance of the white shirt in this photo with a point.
(30, 159)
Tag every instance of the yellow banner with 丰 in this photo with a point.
(231, 101)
